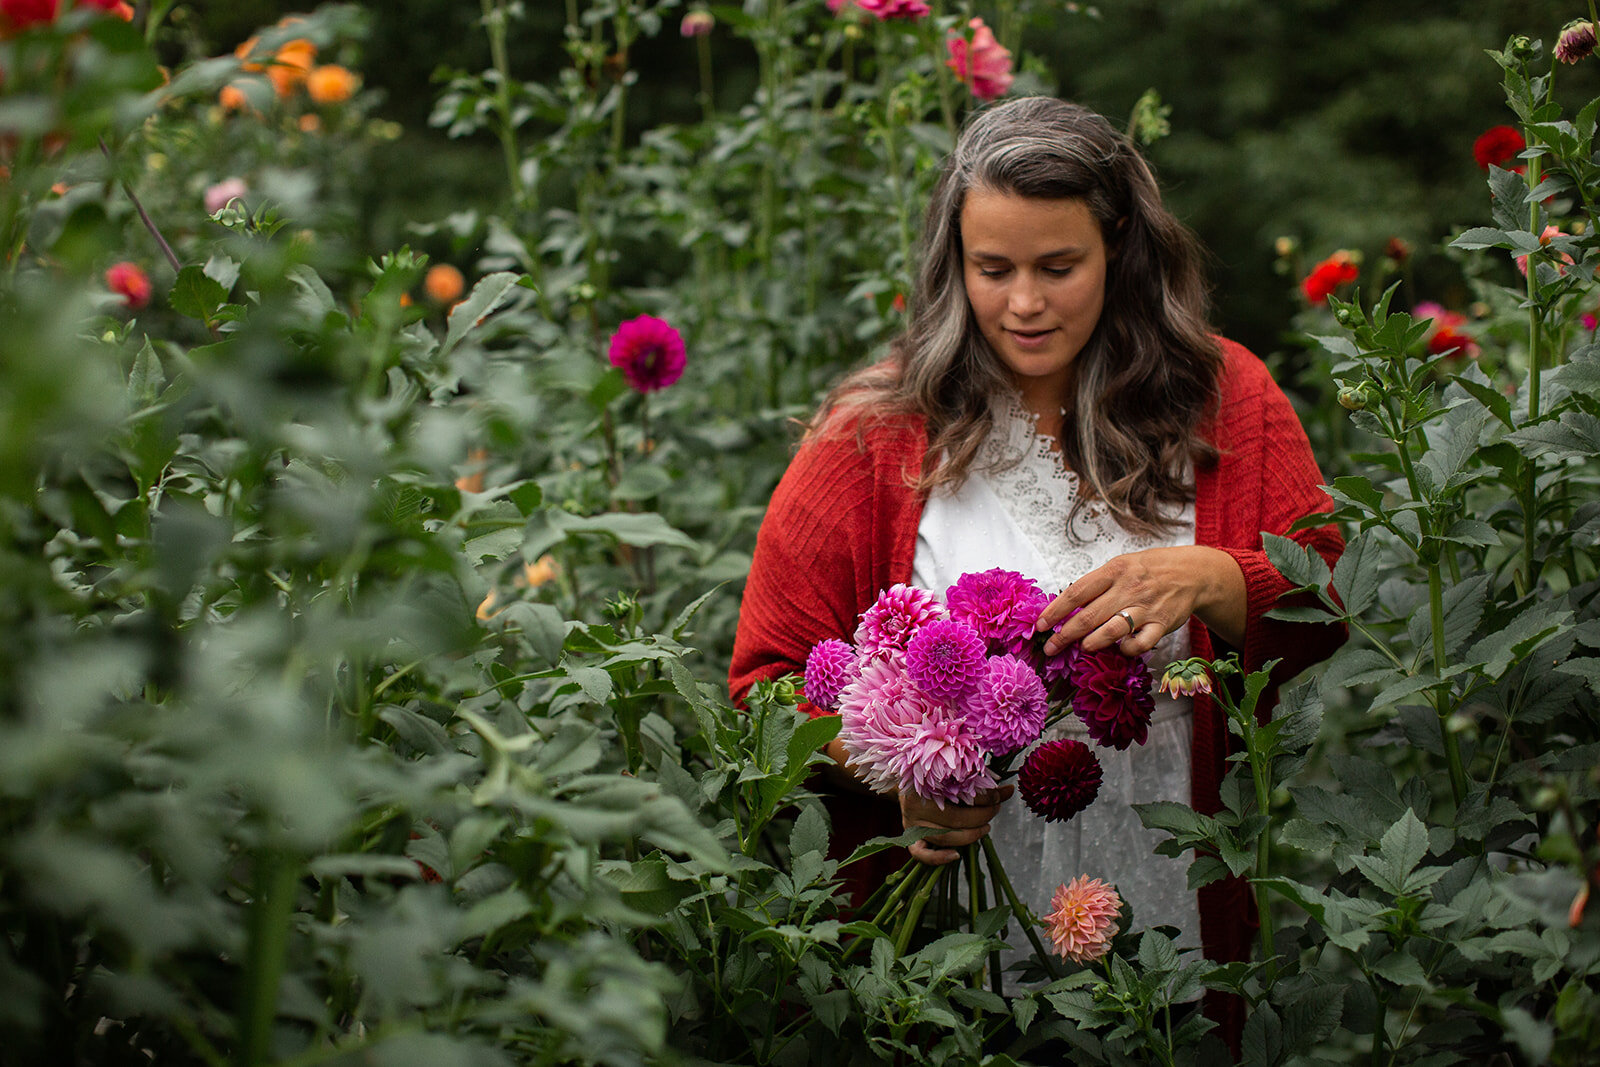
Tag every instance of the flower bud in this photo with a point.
(1354, 398)
(1345, 317)
(1186, 677)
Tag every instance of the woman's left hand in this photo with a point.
(1158, 589)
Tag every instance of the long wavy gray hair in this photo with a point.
(1147, 377)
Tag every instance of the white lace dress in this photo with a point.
(1012, 512)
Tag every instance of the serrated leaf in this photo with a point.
(1402, 969)
(1404, 845)
(491, 291)
(146, 378)
(195, 295)
(417, 730)
(1358, 573)
(810, 832)
(595, 683)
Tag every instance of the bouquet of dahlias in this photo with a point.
(939, 697)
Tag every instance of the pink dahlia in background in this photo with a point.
(1497, 145)
(944, 762)
(982, 63)
(1083, 919)
(1112, 696)
(1576, 42)
(223, 193)
(837, 6)
(830, 667)
(1001, 605)
(1009, 707)
(697, 24)
(649, 352)
(945, 659)
(130, 282)
(1447, 335)
(897, 614)
(894, 9)
(1059, 779)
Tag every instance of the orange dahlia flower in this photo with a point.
(331, 84)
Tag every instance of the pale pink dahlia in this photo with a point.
(1083, 919)
(894, 9)
(983, 63)
(830, 667)
(1576, 42)
(649, 353)
(1008, 709)
(1059, 779)
(1001, 605)
(1111, 694)
(879, 712)
(223, 193)
(944, 762)
(894, 617)
(945, 659)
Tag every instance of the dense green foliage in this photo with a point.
(362, 691)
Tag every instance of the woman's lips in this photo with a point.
(1030, 338)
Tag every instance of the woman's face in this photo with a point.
(1036, 279)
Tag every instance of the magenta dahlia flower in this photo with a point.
(945, 659)
(1111, 694)
(1059, 779)
(830, 667)
(1008, 709)
(894, 9)
(894, 617)
(1083, 919)
(1001, 605)
(944, 762)
(649, 352)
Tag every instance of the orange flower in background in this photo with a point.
(443, 283)
(309, 123)
(539, 572)
(232, 98)
(291, 65)
(472, 482)
(1326, 277)
(247, 46)
(130, 282)
(331, 84)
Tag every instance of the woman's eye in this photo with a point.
(1059, 272)
(992, 272)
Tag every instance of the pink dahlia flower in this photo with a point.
(880, 711)
(1186, 677)
(894, 617)
(945, 659)
(944, 762)
(1112, 696)
(223, 193)
(983, 63)
(1576, 42)
(1059, 779)
(1083, 919)
(1001, 605)
(894, 9)
(697, 24)
(1008, 710)
(830, 667)
(649, 353)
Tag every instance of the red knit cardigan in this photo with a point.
(843, 526)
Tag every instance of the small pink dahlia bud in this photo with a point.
(945, 659)
(1083, 919)
(1576, 42)
(649, 352)
(1186, 677)
(830, 667)
(697, 24)
(1059, 779)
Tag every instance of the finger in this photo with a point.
(1073, 598)
(922, 852)
(996, 796)
(1142, 640)
(1115, 629)
(949, 817)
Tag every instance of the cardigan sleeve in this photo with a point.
(1268, 461)
(834, 535)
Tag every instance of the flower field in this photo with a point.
(368, 589)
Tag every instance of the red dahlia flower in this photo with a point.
(1496, 145)
(1059, 779)
(131, 283)
(1112, 696)
(20, 14)
(1326, 277)
(649, 353)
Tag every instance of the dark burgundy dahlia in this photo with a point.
(1059, 779)
(1111, 694)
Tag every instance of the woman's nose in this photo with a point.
(1025, 297)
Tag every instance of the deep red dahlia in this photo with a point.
(1059, 779)
(1112, 696)
(23, 13)
(1496, 145)
(1326, 277)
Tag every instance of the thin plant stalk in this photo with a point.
(1024, 917)
(494, 23)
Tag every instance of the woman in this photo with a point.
(1056, 407)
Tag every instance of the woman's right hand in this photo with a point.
(955, 825)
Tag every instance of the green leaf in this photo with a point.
(1538, 623)
(146, 378)
(1156, 952)
(417, 730)
(595, 683)
(1404, 844)
(1358, 573)
(547, 528)
(491, 291)
(1402, 969)
(1480, 237)
(1301, 566)
(810, 832)
(195, 295)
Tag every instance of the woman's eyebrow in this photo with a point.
(1059, 253)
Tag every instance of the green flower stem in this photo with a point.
(1259, 775)
(1452, 748)
(1024, 917)
(908, 922)
(707, 97)
(1530, 505)
(494, 23)
(144, 216)
(276, 878)
(969, 856)
(908, 879)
